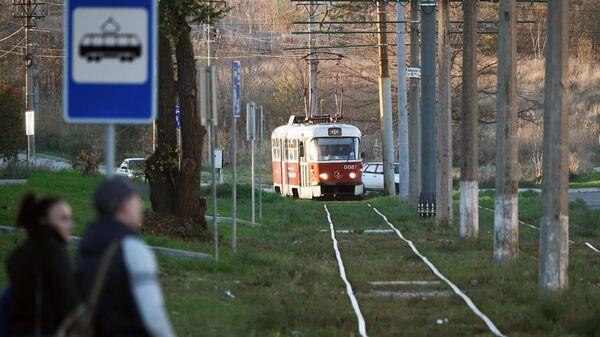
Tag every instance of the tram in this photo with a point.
(316, 157)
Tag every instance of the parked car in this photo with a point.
(372, 176)
(132, 168)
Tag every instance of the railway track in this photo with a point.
(393, 287)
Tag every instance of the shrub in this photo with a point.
(12, 125)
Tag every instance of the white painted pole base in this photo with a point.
(553, 267)
(469, 210)
(506, 230)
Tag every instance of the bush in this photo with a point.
(12, 135)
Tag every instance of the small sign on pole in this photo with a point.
(208, 95)
(251, 121)
(29, 123)
(413, 72)
(177, 117)
(236, 88)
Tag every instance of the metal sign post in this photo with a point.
(236, 80)
(208, 117)
(95, 68)
(251, 136)
(260, 169)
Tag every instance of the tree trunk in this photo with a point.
(189, 205)
(161, 167)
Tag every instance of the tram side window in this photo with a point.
(276, 150)
(292, 149)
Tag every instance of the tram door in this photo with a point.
(303, 164)
(284, 170)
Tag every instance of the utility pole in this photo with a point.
(27, 10)
(426, 205)
(444, 122)
(469, 188)
(385, 102)
(554, 235)
(403, 155)
(414, 105)
(506, 230)
(314, 62)
(212, 140)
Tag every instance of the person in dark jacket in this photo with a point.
(131, 302)
(40, 272)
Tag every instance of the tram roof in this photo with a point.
(295, 131)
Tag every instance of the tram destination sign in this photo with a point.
(110, 61)
(334, 131)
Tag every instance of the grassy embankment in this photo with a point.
(286, 283)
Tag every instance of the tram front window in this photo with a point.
(330, 149)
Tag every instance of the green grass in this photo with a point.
(286, 282)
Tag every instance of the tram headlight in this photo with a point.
(352, 175)
(323, 176)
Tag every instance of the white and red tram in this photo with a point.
(313, 160)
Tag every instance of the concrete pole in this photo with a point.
(234, 183)
(313, 97)
(554, 235)
(414, 114)
(426, 205)
(28, 61)
(444, 121)
(469, 171)
(109, 151)
(212, 138)
(385, 102)
(403, 159)
(506, 230)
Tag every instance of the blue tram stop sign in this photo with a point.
(110, 61)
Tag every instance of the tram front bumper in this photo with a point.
(338, 189)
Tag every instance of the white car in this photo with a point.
(372, 176)
(132, 168)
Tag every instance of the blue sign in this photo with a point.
(236, 81)
(177, 115)
(110, 69)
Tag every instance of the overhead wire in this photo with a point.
(11, 35)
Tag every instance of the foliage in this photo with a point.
(11, 121)
(193, 11)
(87, 162)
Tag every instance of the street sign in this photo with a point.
(218, 157)
(236, 81)
(110, 61)
(29, 123)
(413, 72)
(251, 121)
(207, 86)
(177, 118)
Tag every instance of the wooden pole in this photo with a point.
(385, 102)
(469, 189)
(444, 121)
(414, 112)
(554, 235)
(506, 230)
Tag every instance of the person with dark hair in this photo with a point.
(131, 301)
(40, 272)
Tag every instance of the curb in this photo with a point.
(171, 252)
